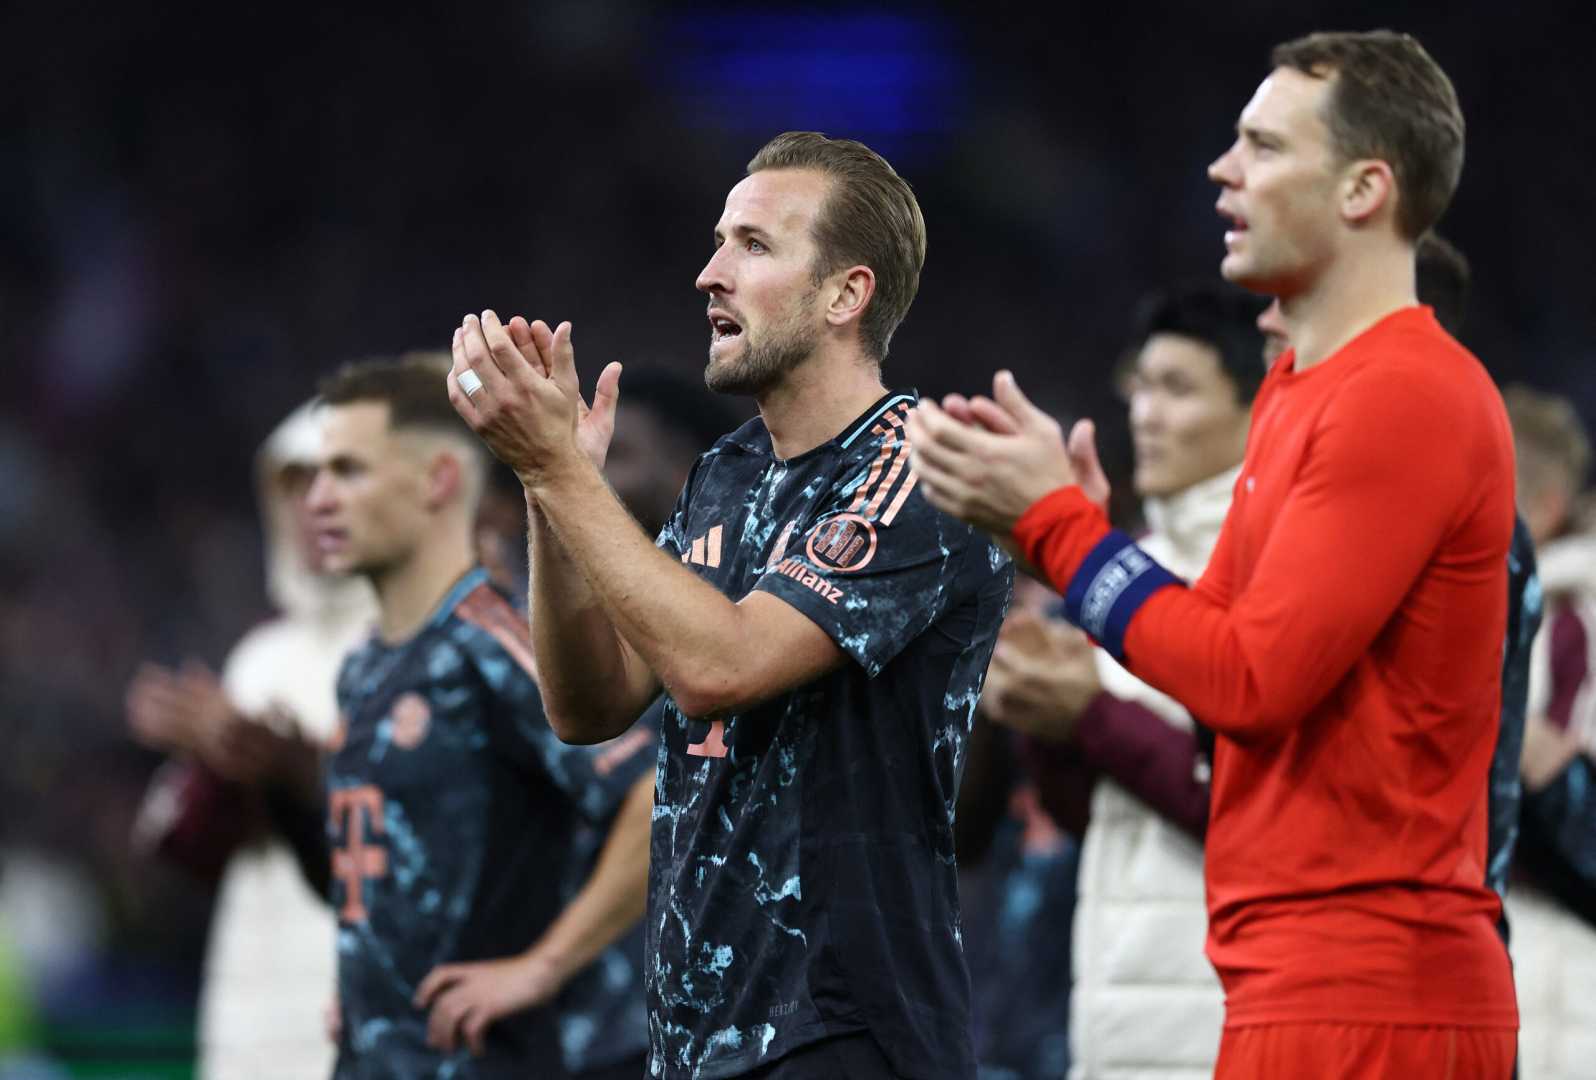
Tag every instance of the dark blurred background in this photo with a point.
(201, 210)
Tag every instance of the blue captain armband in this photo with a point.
(1114, 581)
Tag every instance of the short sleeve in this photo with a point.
(594, 778)
(876, 564)
(673, 534)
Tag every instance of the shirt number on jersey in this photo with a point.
(357, 862)
(714, 744)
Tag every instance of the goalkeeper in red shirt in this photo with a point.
(1345, 641)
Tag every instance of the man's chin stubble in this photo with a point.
(745, 375)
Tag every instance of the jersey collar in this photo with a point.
(893, 397)
(472, 579)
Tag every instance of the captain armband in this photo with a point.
(1114, 581)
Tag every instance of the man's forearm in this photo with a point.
(302, 823)
(682, 628)
(1147, 756)
(588, 676)
(614, 896)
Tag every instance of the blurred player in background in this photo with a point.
(1346, 639)
(452, 807)
(662, 426)
(240, 745)
(1017, 835)
(1145, 999)
(820, 632)
(1551, 907)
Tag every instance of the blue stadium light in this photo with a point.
(885, 78)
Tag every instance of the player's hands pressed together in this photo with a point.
(987, 460)
(187, 711)
(176, 710)
(270, 748)
(466, 999)
(530, 410)
(1042, 677)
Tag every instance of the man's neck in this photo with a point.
(408, 592)
(817, 400)
(1351, 296)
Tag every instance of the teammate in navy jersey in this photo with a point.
(820, 631)
(451, 804)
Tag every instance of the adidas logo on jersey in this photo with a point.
(706, 549)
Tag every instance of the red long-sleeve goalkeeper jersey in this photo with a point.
(1346, 644)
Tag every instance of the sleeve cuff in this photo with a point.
(1056, 532)
(1041, 517)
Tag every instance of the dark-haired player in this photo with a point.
(451, 804)
(1144, 998)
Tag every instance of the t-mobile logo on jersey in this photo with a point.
(357, 862)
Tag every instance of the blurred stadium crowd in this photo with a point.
(202, 211)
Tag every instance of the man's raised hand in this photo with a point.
(1082, 449)
(987, 460)
(1004, 419)
(595, 425)
(528, 408)
(511, 404)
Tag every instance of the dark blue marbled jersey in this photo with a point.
(452, 808)
(602, 1014)
(1524, 604)
(802, 881)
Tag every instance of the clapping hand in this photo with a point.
(176, 710)
(988, 460)
(1042, 677)
(525, 399)
(187, 711)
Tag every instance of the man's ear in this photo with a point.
(1368, 188)
(445, 476)
(851, 294)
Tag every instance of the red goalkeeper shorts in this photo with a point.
(1365, 1052)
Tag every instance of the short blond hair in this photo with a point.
(413, 386)
(870, 218)
(1549, 437)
